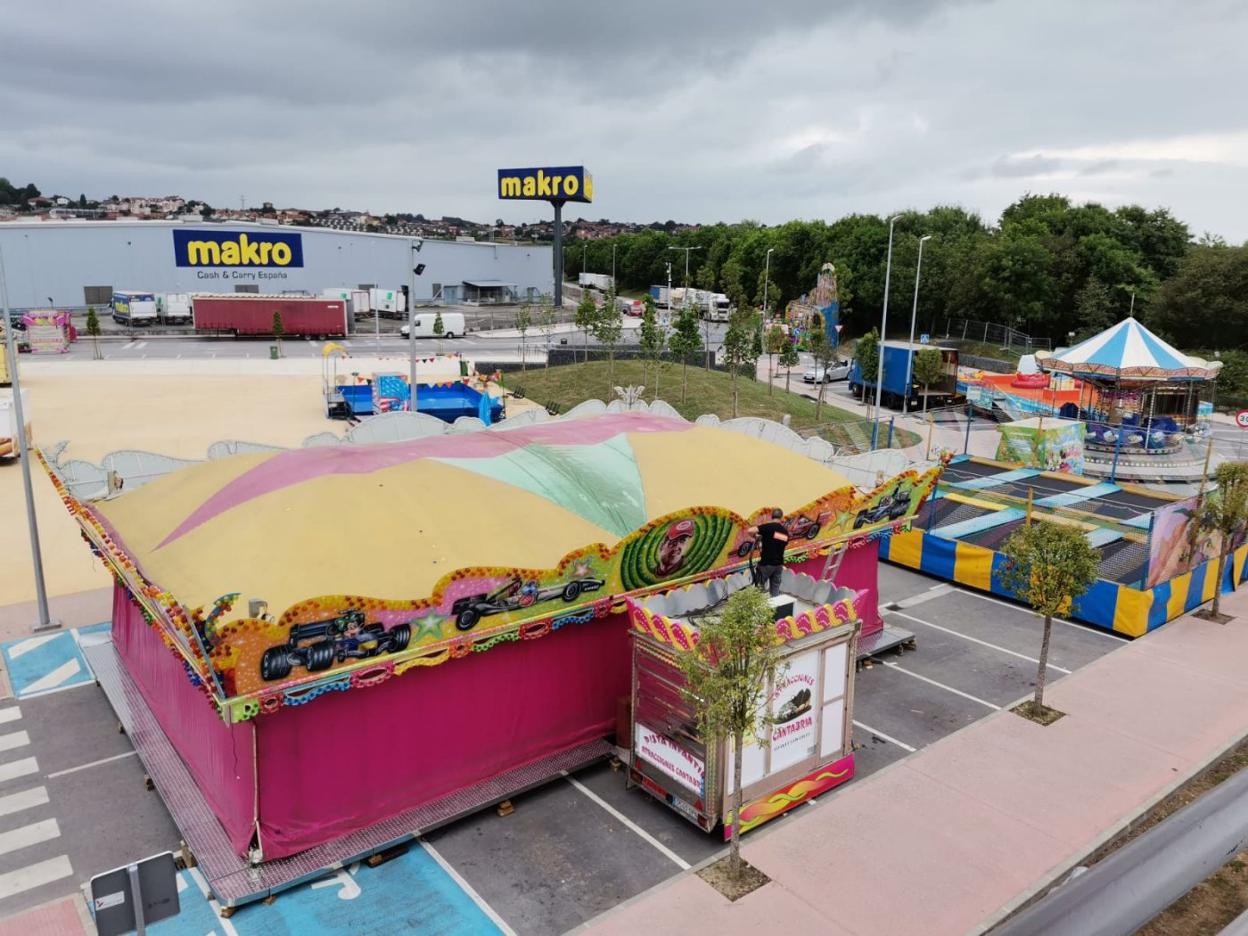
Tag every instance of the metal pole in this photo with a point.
(45, 622)
(558, 258)
(613, 267)
(888, 272)
(136, 895)
(411, 330)
(914, 314)
(766, 281)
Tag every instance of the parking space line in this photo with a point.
(1086, 628)
(888, 738)
(18, 768)
(984, 643)
(467, 888)
(12, 713)
(940, 685)
(27, 799)
(95, 763)
(14, 739)
(35, 875)
(671, 855)
(24, 836)
(23, 647)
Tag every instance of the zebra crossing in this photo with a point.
(33, 866)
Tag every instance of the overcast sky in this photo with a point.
(686, 109)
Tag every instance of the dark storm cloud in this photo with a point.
(693, 110)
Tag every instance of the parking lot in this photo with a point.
(571, 849)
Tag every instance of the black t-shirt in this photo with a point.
(773, 549)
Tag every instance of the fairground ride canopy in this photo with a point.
(273, 573)
(1128, 350)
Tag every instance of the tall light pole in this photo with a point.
(45, 622)
(879, 377)
(914, 314)
(687, 250)
(766, 280)
(411, 325)
(613, 264)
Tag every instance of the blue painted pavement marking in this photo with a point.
(408, 894)
(44, 663)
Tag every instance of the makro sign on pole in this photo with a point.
(235, 249)
(562, 183)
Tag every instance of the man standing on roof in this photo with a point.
(772, 537)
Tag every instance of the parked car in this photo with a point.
(318, 645)
(838, 370)
(517, 593)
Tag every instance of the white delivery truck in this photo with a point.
(452, 325)
(599, 281)
(357, 300)
(174, 308)
(391, 303)
(134, 308)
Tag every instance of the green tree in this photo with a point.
(586, 315)
(929, 368)
(824, 352)
(1048, 565)
(789, 359)
(777, 341)
(739, 348)
(93, 329)
(685, 343)
(727, 676)
(546, 321)
(1226, 510)
(278, 330)
(1206, 302)
(608, 326)
(867, 354)
(439, 329)
(1095, 308)
(653, 341)
(524, 321)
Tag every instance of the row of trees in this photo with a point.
(1048, 267)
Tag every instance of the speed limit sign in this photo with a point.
(1241, 419)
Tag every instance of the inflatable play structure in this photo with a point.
(1157, 559)
(322, 651)
(48, 331)
(820, 308)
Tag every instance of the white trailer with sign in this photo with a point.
(808, 747)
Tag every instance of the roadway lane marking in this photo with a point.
(18, 768)
(940, 685)
(52, 680)
(1086, 628)
(27, 799)
(14, 739)
(127, 347)
(888, 738)
(467, 888)
(27, 835)
(35, 875)
(140, 346)
(935, 591)
(23, 647)
(12, 713)
(984, 643)
(94, 763)
(671, 855)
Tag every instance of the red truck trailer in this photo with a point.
(252, 314)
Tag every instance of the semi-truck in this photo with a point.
(897, 356)
(390, 303)
(599, 281)
(134, 308)
(174, 308)
(252, 314)
(358, 301)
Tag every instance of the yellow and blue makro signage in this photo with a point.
(562, 183)
(235, 249)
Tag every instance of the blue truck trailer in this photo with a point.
(897, 357)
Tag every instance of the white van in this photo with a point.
(452, 325)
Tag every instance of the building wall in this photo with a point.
(56, 260)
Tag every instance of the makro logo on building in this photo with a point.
(564, 183)
(234, 249)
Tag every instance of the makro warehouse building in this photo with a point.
(70, 264)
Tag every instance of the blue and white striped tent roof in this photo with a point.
(1128, 349)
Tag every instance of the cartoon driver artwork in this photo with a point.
(676, 543)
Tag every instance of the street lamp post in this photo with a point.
(766, 281)
(45, 622)
(411, 327)
(613, 265)
(879, 377)
(687, 250)
(914, 314)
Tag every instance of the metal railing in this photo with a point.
(993, 333)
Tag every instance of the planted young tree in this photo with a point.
(278, 330)
(727, 676)
(607, 327)
(740, 344)
(867, 354)
(1048, 565)
(546, 320)
(685, 343)
(821, 350)
(777, 341)
(929, 368)
(586, 315)
(524, 320)
(93, 329)
(1226, 510)
(789, 359)
(439, 329)
(653, 341)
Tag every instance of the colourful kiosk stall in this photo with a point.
(320, 652)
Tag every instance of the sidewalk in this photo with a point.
(953, 838)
